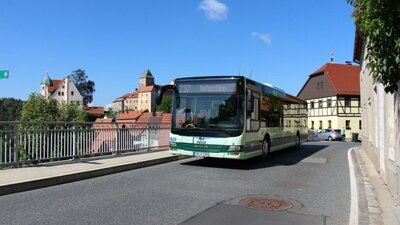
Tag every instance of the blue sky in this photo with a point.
(276, 41)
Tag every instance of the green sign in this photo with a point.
(4, 74)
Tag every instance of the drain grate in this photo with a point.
(266, 204)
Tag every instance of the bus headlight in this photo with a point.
(235, 148)
(172, 145)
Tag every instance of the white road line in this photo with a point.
(354, 193)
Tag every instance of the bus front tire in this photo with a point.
(265, 150)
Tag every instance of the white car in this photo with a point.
(330, 134)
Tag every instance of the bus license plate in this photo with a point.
(201, 154)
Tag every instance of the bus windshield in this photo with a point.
(217, 114)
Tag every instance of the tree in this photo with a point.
(38, 109)
(10, 109)
(166, 104)
(378, 21)
(85, 87)
(72, 113)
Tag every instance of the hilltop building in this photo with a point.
(141, 99)
(333, 97)
(64, 91)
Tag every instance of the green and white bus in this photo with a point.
(233, 117)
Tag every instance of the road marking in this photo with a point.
(354, 193)
(317, 160)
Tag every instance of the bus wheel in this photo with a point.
(265, 150)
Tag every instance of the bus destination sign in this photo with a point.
(219, 87)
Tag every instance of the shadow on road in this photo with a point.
(284, 157)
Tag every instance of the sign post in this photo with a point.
(4, 74)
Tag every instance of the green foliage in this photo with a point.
(166, 104)
(38, 109)
(112, 113)
(10, 109)
(85, 87)
(72, 113)
(378, 20)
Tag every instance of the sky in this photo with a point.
(280, 42)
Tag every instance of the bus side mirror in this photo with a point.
(161, 92)
(250, 101)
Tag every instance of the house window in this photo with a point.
(59, 93)
(320, 124)
(320, 104)
(312, 124)
(62, 93)
(63, 86)
(347, 102)
(72, 92)
(348, 127)
(329, 102)
(359, 124)
(321, 85)
(329, 123)
(42, 88)
(312, 104)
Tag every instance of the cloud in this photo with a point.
(266, 38)
(214, 9)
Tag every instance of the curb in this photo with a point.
(67, 178)
(359, 213)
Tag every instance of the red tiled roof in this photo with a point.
(166, 118)
(146, 89)
(344, 79)
(144, 118)
(108, 123)
(55, 84)
(131, 115)
(94, 110)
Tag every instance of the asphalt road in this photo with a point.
(315, 179)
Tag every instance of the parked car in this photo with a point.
(330, 134)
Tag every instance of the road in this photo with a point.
(315, 179)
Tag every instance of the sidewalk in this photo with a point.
(44, 175)
(379, 207)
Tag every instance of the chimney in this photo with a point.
(332, 54)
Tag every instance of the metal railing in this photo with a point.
(28, 142)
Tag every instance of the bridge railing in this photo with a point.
(31, 142)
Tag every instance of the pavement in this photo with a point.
(49, 174)
(371, 201)
(375, 205)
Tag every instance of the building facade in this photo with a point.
(64, 91)
(381, 124)
(142, 99)
(333, 98)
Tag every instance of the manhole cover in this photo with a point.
(265, 203)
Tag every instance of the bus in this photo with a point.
(232, 117)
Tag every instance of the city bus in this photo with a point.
(232, 117)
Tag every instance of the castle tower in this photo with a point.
(146, 79)
(44, 85)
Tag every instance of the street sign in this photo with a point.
(4, 74)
